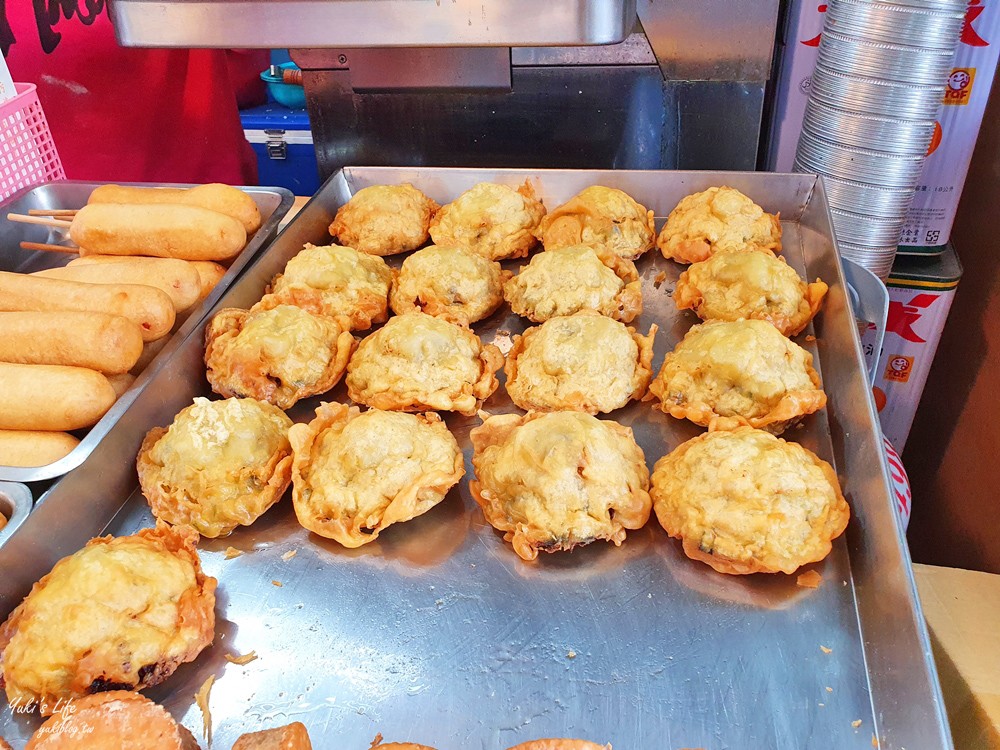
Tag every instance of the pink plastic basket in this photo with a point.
(28, 154)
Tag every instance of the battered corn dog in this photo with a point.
(107, 343)
(214, 196)
(177, 278)
(30, 448)
(210, 273)
(151, 309)
(160, 230)
(52, 397)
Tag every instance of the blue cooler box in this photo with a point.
(284, 145)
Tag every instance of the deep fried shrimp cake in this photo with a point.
(601, 217)
(739, 284)
(220, 464)
(417, 362)
(121, 614)
(292, 736)
(570, 279)
(279, 355)
(357, 473)
(450, 283)
(492, 220)
(584, 362)
(747, 502)
(720, 218)
(384, 219)
(338, 282)
(723, 375)
(552, 481)
(118, 720)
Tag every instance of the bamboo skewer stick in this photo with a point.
(50, 248)
(41, 220)
(71, 212)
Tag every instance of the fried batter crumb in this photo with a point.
(826, 650)
(289, 555)
(875, 742)
(571, 655)
(232, 553)
(201, 700)
(660, 278)
(242, 660)
(856, 723)
(829, 689)
(809, 580)
(276, 583)
(810, 338)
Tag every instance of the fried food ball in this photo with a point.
(118, 720)
(292, 736)
(357, 473)
(723, 375)
(553, 744)
(221, 464)
(720, 218)
(602, 217)
(738, 284)
(417, 362)
(384, 219)
(492, 220)
(451, 283)
(377, 743)
(337, 282)
(279, 355)
(744, 501)
(121, 614)
(552, 481)
(570, 279)
(584, 362)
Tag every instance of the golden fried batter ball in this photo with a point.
(601, 217)
(719, 218)
(417, 362)
(384, 219)
(118, 720)
(570, 279)
(377, 743)
(4, 745)
(552, 481)
(747, 502)
(357, 473)
(292, 736)
(335, 281)
(723, 375)
(738, 284)
(584, 362)
(553, 744)
(279, 355)
(220, 464)
(121, 614)
(450, 283)
(492, 220)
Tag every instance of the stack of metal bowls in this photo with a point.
(875, 95)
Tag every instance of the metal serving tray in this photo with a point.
(15, 504)
(438, 633)
(273, 202)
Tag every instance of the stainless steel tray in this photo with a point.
(437, 633)
(273, 202)
(15, 504)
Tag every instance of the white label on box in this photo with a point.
(933, 211)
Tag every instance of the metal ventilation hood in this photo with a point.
(371, 23)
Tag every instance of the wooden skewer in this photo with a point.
(50, 248)
(52, 211)
(42, 220)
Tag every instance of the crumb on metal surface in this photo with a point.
(826, 650)
(810, 338)
(571, 654)
(289, 555)
(232, 552)
(809, 580)
(241, 660)
(875, 742)
(829, 689)
(276, 583)
(856, 723)
(660, 278)
(201, 700)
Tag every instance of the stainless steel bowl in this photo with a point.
(895, 23)
(876, 97)
(15, 505)
(887, 62)
(905, 137)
